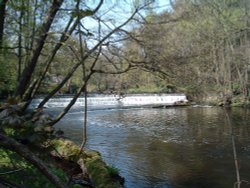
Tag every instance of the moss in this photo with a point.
(67, 149)
(9, 131)
(101, 175)
(113, 171)
(77, 186)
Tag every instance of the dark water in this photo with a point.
(173, 148)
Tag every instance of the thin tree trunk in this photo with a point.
(63, 38)
(215, 62)
(74, 68)
(85, 81)
(20, 42)
(246, 93)
(33, 27)
(21, 150)
(85, 116)
(29, 69)
(2, 19)
(66, 34)
(72, 102)
(83, 88)
(237, 171)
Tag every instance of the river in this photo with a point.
(187, 147)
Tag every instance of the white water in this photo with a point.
(116, 101)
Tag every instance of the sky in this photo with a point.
(119, 12)
(116, 13)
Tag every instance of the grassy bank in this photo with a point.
(74, 167)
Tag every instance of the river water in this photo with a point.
(188, 147)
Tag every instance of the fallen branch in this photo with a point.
(12, 171)
(20, 149)
(5, 183)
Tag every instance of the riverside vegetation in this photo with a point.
(74, 166)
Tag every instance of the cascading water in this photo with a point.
(117, 101)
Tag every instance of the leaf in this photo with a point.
(82, 13)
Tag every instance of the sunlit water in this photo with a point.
(173, 148)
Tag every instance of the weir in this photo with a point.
(117, 101)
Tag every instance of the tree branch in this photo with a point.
(74, 68)
(29, 69)
(13, 145)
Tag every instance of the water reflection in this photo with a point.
(175, 147)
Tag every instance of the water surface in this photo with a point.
(173, 148)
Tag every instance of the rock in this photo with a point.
(12, 120)
(59, 132)
(81, 182)
(48, 129)
(41, 119)
(100, 173)
(4, 106)
(5, 113)
(38, 128)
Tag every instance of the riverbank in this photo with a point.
(90, 162)
(217, 99)
(33, 154)
(74, 167)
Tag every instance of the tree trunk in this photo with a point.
(72, 102)
(63, 38)
(66, 34)
(29, 69)
(2, 18)
(20, 43)
(21, 150)
(75, 67)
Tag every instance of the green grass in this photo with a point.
(15, 169)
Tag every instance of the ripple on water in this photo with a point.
(176, 147)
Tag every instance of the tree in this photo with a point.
(2, 19)
(40, 48)
(202, 47)
(29, 69)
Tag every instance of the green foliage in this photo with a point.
(7, 77)
(9, 131)
(26, 133)
(193, 90)
(239, 101)
(168, 89)
(82, 13)
(23, 173)
(143, 90)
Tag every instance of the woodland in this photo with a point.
(51, 48)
